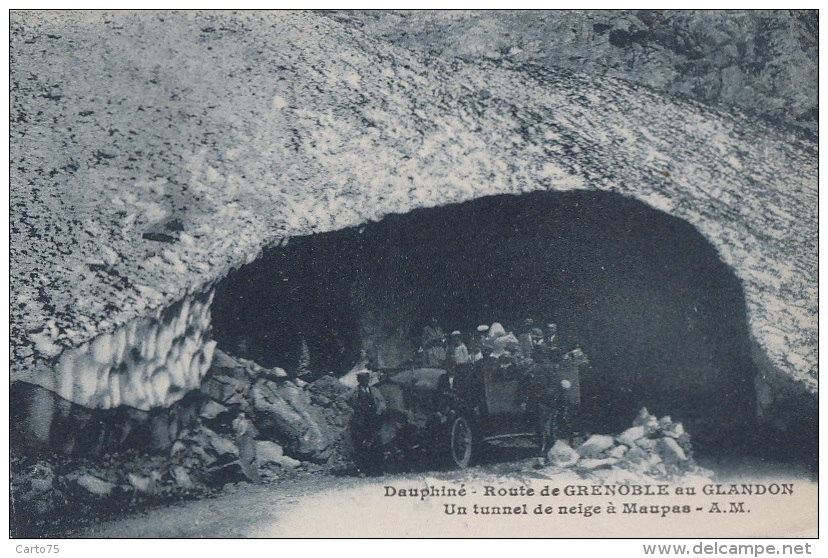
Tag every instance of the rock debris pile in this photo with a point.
(659, 448)
(249, 424)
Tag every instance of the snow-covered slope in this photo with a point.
(152, 152)
(764, 62)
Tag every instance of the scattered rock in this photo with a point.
(284, 412)
(182, 477)
(225, 389)
(618, 451)
(222, 447)
(648, 421)
(646, 444)
(223, 360)
(589, 464)
(670, 451)
(270, 452)
(595, 446)
(211, 410)
(636, 455)
(330, 388)
(561, 455)
(630, 435)
(94, 485)
(676, 430)
(147, 485)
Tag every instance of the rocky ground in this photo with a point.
(294, 429)
(260, 427)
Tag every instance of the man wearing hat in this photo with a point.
(547, 395)
(478, 346)
(525, 338)
(569, 381)
(433, 344)
(369, 406)
(458, 353)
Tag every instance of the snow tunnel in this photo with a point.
(662, 319)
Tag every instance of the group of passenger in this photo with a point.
(494, 341)
(551, 378)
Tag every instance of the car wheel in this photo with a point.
(461, 443)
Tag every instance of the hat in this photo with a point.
(455, 332)
(551, 326)
(482, 328)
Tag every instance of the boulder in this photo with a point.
(94, 485)
(646, 444)
(212, 409)
(41, 486)
(223, 360)
(636, 455)
(182, 477)
(232, 472)
(204, 449)
(648, 421)
(595, 445)
(630, 436)
(145, 484)
(676, 430)
(330, 388)
(270, 452)
(561, 455)
(225, 389)
(221, 447)
(284, 413)
(589, 464)
(320, 400)
(618, 451)
(670, 451)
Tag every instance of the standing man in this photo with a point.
(369, 406)
(569, 379)
(244, 431)
(545, 396)
(525, 338)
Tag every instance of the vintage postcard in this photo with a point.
(428, 274)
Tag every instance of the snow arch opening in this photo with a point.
(661, 317)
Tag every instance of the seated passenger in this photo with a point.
(458, 353)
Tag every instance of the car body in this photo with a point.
(450, 412)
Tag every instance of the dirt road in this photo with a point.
(500, 500)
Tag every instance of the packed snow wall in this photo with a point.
(149, 363)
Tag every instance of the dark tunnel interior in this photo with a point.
(660, 316)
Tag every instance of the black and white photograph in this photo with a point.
(414, 274)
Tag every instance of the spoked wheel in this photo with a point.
(460, 443)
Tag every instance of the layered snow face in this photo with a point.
(149, 362)
(153, 152)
